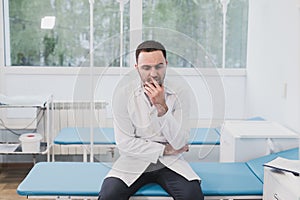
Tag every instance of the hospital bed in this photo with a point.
(80, 136)
(208, 139)
(77, 180)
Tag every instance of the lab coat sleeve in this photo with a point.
(175, 123)
(126, 140)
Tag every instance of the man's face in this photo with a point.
(152, 65)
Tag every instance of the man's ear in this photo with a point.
(135, 65)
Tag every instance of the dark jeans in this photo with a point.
(176, 185)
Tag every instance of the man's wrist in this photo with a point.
(168, 149)
(161, 109)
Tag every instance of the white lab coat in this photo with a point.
(138, 131)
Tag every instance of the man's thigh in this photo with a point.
(178, 186)
(114, 188)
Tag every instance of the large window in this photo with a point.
(67, 44)
(202, 22)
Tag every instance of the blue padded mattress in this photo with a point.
(85, 179)
(80, 135)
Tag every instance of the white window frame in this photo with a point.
(135, 39)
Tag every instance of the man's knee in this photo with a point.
(193, 191)
(112, 189)
(193, 195)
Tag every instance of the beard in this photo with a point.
(159, 81)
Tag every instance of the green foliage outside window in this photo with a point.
(68, 43)
(202, 21)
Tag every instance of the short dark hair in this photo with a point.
(149, 46)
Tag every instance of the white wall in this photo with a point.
(218, 94)
(273, 73)
(273, 64)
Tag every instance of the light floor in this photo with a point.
(10, 177)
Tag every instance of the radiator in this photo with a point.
(75, 114)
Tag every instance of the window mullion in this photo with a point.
(136, 22)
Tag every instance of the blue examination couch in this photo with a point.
(105, 136)
(240, 180)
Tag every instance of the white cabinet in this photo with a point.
(245, 140)
(280, 185)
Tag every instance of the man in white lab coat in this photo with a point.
(151, 130)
